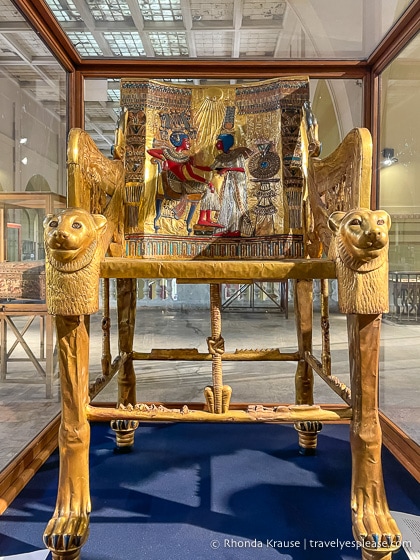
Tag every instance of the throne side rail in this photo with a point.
(269, 355)
(108, 373)
(332, 381)
(186, 354)
(192, 354)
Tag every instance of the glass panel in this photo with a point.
(33, 115)
(33, 112)
(32, 137)
(399, 194)
(318, 29)
(337, 104)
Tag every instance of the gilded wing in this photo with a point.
(341, 181)
(95, 183)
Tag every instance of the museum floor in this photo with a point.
(24, 410)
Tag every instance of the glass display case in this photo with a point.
(22, 287)
(363, 65)
(21, 217)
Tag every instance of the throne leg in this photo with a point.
(126, 306)
(373, 525)
(304, 379)
(308, 436)
(68, 529)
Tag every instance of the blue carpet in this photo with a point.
(213, 491)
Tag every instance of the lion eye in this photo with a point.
(356, 222)
(380, 222)
(53, 223)
(76, 225)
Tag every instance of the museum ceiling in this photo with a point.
(244, 30)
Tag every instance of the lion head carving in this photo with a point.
(71, 237)
(361, 234)
(360, 251)
(73, 255)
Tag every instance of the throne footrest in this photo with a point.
(194, 412)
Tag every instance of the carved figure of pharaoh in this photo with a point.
(73, 255)
(360, 251)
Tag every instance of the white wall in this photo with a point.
(23, 117)
(400, 130)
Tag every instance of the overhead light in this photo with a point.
(23, 141)
(388, 155)
(24, 161)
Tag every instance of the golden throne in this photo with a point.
(215, 185)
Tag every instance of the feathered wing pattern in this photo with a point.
(96, 183)
(341, 181)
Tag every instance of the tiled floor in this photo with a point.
(24, 410)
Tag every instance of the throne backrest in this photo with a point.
(266, 124)
(218, 172)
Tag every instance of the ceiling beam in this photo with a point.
(35, 61)
(283, 45)
(15, 27)
(164, 27)
(188, 24)
(237, 24)
(17, 48)
(90, 23)
(139, 23)
(98, 130)
(112, 117)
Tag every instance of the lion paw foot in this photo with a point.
(65, 535)
(374, 528)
